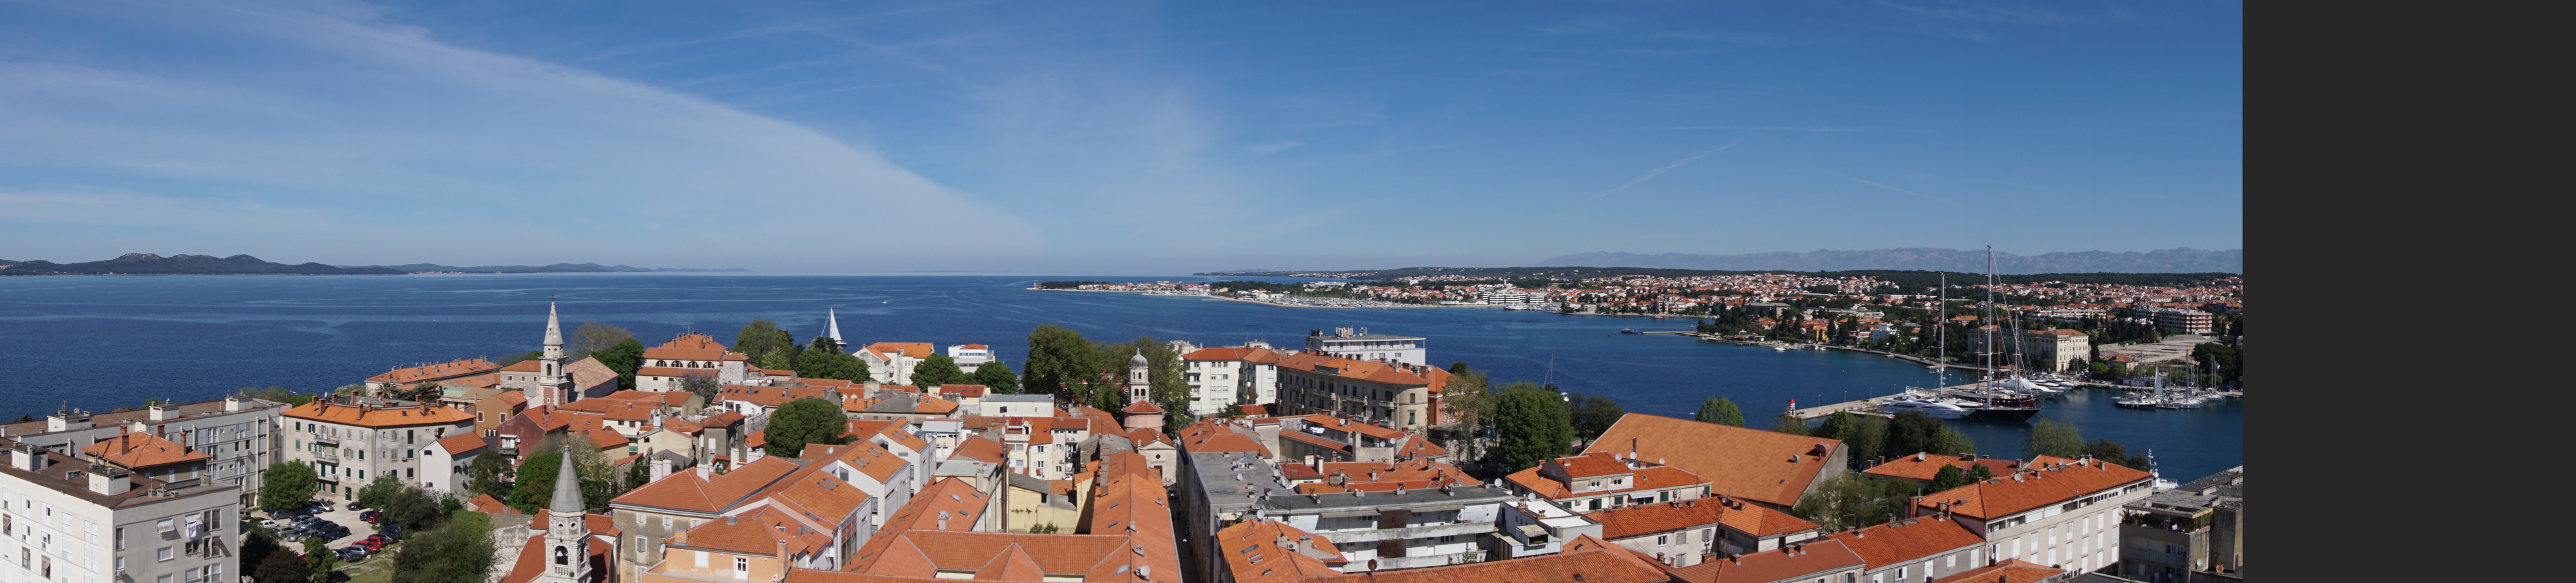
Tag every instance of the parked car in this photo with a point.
(353, 553)
(370, 516)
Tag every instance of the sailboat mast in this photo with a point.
(1941, 326)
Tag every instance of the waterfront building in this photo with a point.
(1234, 375)
(2198, 527)
(1363, 346)
(1389, 393)
(891, 362)
(969, 356)
(1765, 467)
(2048, 349)
(690, 354)
(2064, 514)
(404, 376)
(93, 517)
(2189, 321)
(350, 440)
(240, 434)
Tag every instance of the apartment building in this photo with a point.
(891, 362)
(89, 519)
(969, 356)
(239, 434)
(1398, 529)
(1363, 346)
(1391, 393)
(350, 440)
(1234, 375)
(2195, 528)
(2063, 514)
(1915, 549)
(1600, 480)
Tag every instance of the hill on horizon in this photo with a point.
(2175, 260)
(151, 264)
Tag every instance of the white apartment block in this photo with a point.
(969, 356)
(2055, 512)
(75, 521)
(1234, 375)
(239, 433)
(1363, 346)
(352, 440)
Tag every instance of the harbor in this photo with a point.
(2130, 398)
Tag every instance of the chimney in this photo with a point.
(232, 403)
(943, 520)
(661, 468)
(24, 457)
(706, 471)
(109, 480)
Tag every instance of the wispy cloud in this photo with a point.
(1980, 12)
(1856, 179)
(1651, 174)
(1276, 147)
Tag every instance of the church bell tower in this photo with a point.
(567, 530)
(553, 384)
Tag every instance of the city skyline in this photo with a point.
(1018, 137)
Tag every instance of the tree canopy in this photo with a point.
(1852, 499)
(1594, 414)
(624, 357)
(1720, 410)
(996, 377)
(535, 488)
(1534, 424)
(1949, 477)
(1059, 359)
(593, 337)
(805, 421)
(287, 485)
(459, 551)
(937, 370)
(2057, 438)
(1910, 432)
(831, 365)
(378, 491)
(767, 345)
(1840, 425)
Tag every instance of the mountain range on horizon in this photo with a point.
(153, 264)
(2175, 260)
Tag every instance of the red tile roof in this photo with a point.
(1923, 466)
(427, 372)
(1908, 540)
(1591, 465)
(911, 349)
(143, 450)
(328, 412)
(2010, 571)
(1650, 478)
(1751, 519)
(2034, 487)
(1816, 559)
(460, 443)
(1763, 466)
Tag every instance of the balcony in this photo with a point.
(1410, 532)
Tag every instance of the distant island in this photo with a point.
(2175, 260)
(151, 264)
(1903, 277)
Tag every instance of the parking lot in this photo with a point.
(340, 513)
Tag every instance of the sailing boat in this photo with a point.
(1940, 326)
(1996, 391)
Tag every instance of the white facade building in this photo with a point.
(240, 433)
(351, 440)
(74, 521)
(1363, 346)
(969, 356)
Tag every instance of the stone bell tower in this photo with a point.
(567, 530)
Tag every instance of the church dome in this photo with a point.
(1137, 360)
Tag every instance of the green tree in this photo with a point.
(521, 357)
(483, 476)
(1468, 401)
(996, 377)
(459, 551)
(768, 346)
(379, 490)
(1792, 424)
(536, 485)
(2112, 451)
(282, 567)
(1869, 441)
(318, 556)
(1164, 377)
(824, 344)
(623, 357)
(1720, 410)
(2057, 438)
(1059, 361)
(937, 370)
(1949, 441)
(1853, 499)
(1594, 414)
(414, 507)
(1980, 472)
(1534, 425)
(593, 337)
(637, 473)
(831, 365)
(287, 485)
(1949, 477)
(703, 383)
(1841, 425)
(805, 421)
(1911, 432)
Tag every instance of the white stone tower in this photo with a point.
(554, 387)
(1139, 388)
(567, 529)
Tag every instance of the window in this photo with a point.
(666, 522)
(1663, 540)
(192, 574)
(165, 554)
(702, 559)
(639, 546)
(215, 571)
(741, 565)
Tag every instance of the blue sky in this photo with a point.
(1111, 137)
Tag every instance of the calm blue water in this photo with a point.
(101, 342)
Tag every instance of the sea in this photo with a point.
(102, 342)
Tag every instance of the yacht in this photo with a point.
(2180, 402)
(2135, 400)
(1926, 406)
